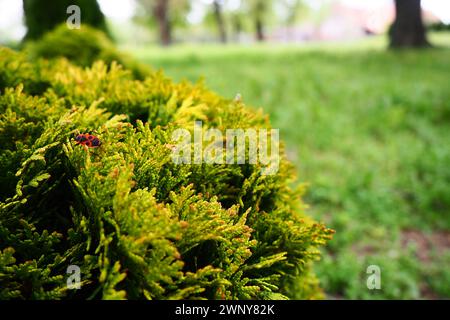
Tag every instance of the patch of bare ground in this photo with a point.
(436, 242)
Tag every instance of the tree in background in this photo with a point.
(258, 10)
(161, 14)
(218, 14)
(42, 16)
(290, 13)
(166, 14)
(408, 29)
(293, 11)
(236, 18)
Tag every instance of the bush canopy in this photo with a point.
(138, 225)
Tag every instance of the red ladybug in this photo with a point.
(87, 139)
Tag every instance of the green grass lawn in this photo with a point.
(369, 130)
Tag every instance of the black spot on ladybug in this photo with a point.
(96, 142)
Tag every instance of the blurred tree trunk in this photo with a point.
(259, 30)
(408, 29)
(237, 26)
(161, 12)
(260, 8)
(42, 16)
(219, 20)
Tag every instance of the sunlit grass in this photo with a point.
(211, 50)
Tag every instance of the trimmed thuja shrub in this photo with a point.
(138, 225)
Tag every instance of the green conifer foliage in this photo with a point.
(138, 225)
(82, 47)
